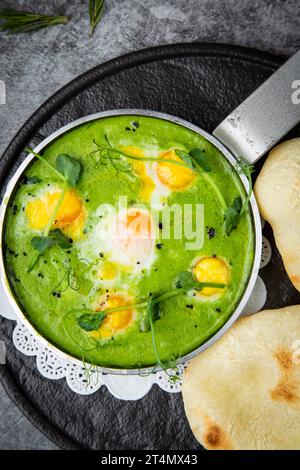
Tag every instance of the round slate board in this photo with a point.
(198, 82)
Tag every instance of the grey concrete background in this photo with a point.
(35, 66)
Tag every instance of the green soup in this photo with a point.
(102, 270)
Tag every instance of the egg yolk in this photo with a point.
(211, 269)
(107, 272)
(40, 210)
(175, 177)
(116, 321)
(148, 184)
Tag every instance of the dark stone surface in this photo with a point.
(202, 88)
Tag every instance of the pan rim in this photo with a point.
(257, 234)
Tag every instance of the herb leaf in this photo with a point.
(55, 237)
(198, 156)
(15, 21)
(234, 212)
(60, 239)
(233, 215)
(69, 168)
(91, 321)
(96, 9)
(185, 280)
(42, 243)
(185, 157)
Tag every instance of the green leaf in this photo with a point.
(198, 156)
(233, 215)
(55, 237)
(186, 281)
(41, 244)
(185, 157)
(69, 167)
(60, 239)
(91, 321)
(96, 9)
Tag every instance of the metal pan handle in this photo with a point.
(265, 116)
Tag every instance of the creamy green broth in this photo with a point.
(44, 295)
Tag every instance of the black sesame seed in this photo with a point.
(159, 246)
(218, 310)
(160, 225)
(211, 232)
(189, 306)
(24, 253)
(127, 129)
(135, 124)
(101, 255)
(87, 200)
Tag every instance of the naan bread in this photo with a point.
(244, 391)
(277, 191)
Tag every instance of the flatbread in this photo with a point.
(277, 191)
(244, 391)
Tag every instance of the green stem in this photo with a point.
(47, 229)
(29, 150)
(154, 345)
(150, 159)
(210, 181)
(159, 299)
(54, 213)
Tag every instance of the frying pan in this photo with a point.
(252, 129)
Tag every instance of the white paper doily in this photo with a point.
(124, 387)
